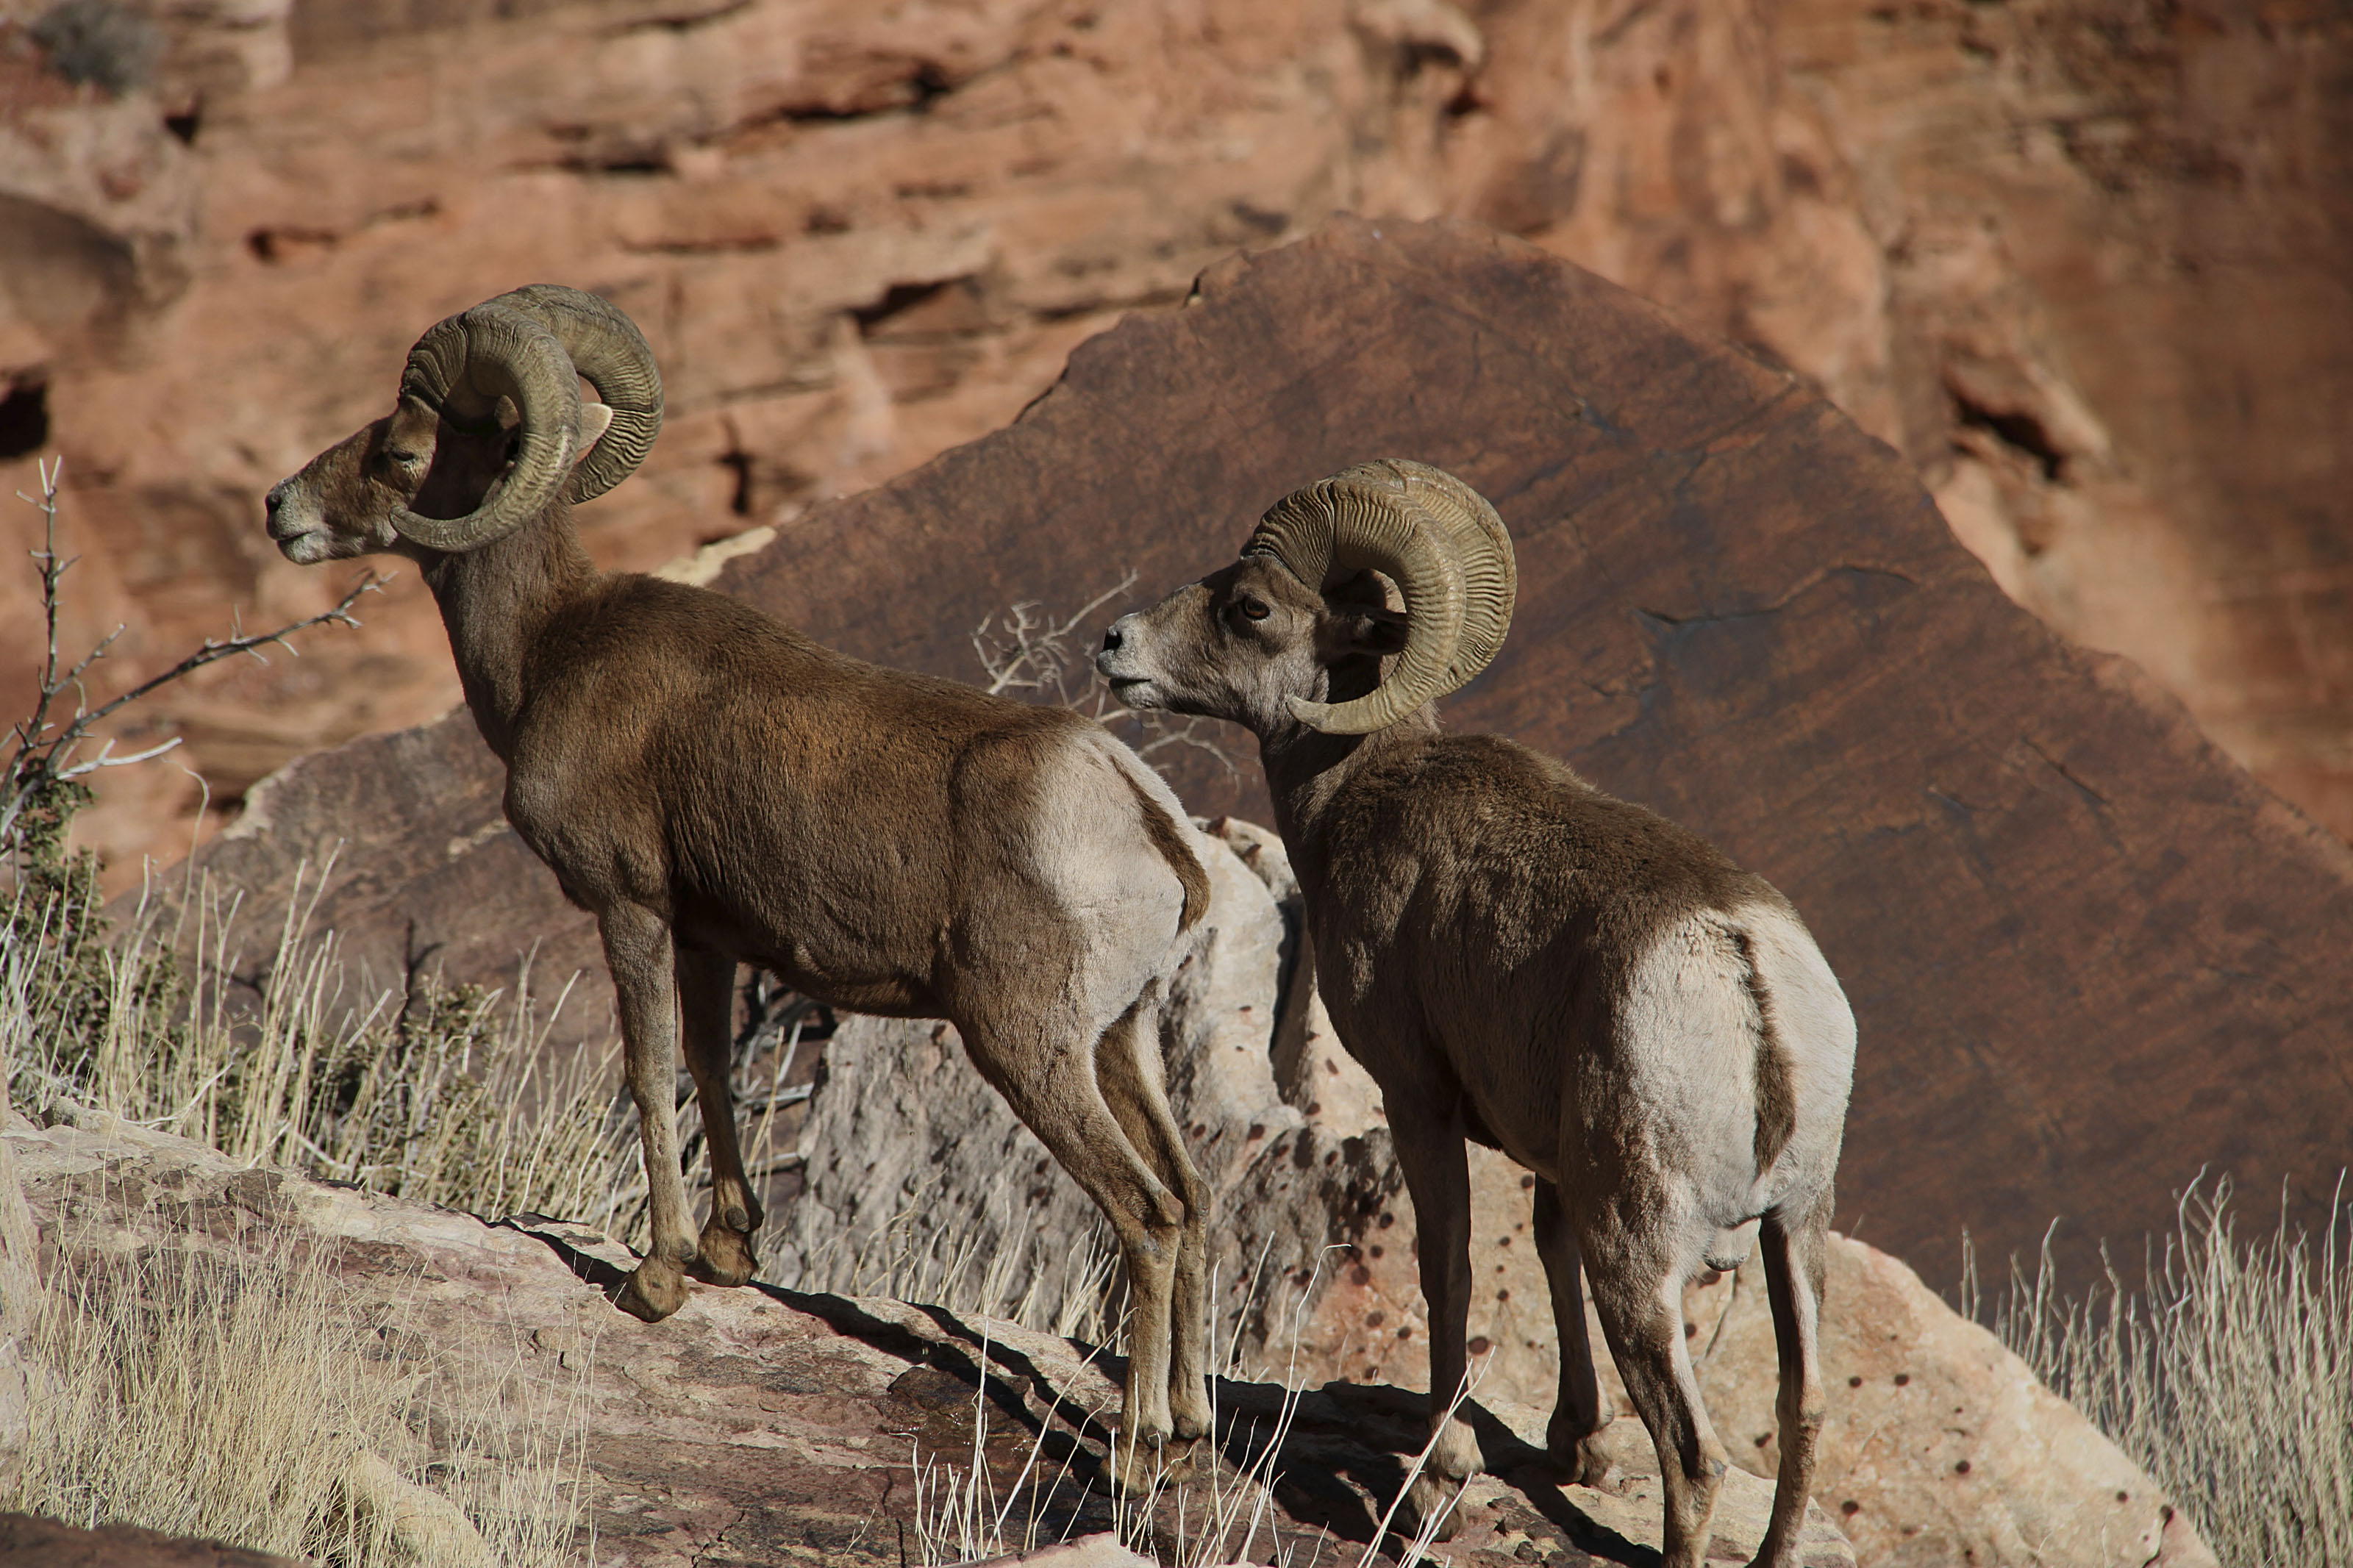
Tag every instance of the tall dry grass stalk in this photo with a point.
(2229, 1378)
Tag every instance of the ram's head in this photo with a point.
(490, 431)
(1297, 631)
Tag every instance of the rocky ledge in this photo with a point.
(766, 1426)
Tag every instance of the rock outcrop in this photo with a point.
(2080, 260)
(767, 1427)
(29, 1541)
(2089, 954)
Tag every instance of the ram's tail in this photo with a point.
(1777, 1088)
(1163, 824)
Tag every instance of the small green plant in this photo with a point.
(2229, 1378)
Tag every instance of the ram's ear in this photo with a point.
(1374, 629)
(595, 418)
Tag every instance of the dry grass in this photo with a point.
(1073, 1296)
(2229, 1378)
(443, 1095)
(182, 1388)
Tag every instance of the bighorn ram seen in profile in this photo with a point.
(1520, 959)
(715, 788)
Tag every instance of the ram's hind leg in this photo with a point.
(706, 992)
(1637, 1292)
(1438, 1177)
(637, 950)
(1129, 1069)
(1795, 1248)
(1048, 1076)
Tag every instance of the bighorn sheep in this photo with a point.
(715, 788)
(1520, 959)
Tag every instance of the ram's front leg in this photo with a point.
(637, 951)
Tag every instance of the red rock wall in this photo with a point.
(2080, 260)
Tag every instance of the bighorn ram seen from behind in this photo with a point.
(1520, 959)
(715, 788)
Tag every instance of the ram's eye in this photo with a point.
(1255, 609)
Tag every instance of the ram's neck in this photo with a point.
(1307, 771)
(497, 603)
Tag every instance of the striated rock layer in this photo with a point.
(2081, 260)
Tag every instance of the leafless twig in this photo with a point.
(45, 743)
(1027, 649)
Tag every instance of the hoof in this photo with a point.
(1434, 1496)
(1142, 1467)
(723, 1256)
(1582, 1464)
(1190, 1418)
(653, 1291)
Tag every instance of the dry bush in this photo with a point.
(2229, 1378)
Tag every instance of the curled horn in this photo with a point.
(460, 369)
(1432, 535)
(611, 355)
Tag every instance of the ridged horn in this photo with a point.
(1482, 550)
(460, 369)
(611, 355)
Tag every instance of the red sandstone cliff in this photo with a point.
(2082, 261)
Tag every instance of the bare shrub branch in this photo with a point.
(1026, 649)
(40, 766)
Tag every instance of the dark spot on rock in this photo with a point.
(1360, 1275)
(1962, 1469)
(1526, 1181)
(24, 419)
(1902, 1378)
(2124, 1496)
(1254, 1134)
(1480, 1344)
(1377, 1250)
(1406, 1333)
(1849, 1507)
(1388, 1220)
(1375, 1320)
